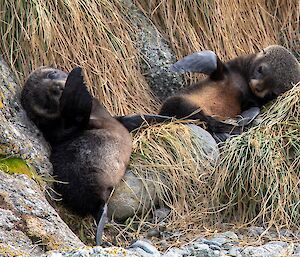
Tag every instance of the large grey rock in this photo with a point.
(208, 143)
(156, 54)
(133, 195)
(18, 136)
(28, 223)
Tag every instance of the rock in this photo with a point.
(157, 56)
(29, 225)
(209, 145)
(202, 250)
(132, 196)
(92, 252)
(255, 231)
(235, 252)
(160, 214)
(296, 251)
(215, 247)
(176, 252)
(271, 249)
(144, 249)
(136, 194)
(153, 233)
(18, 136)
(209, 242)
(226, 237)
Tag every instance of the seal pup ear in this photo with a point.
(76, 101)
(206, 62)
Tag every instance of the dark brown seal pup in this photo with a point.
(234, 89)
(91, 149)
(234, 86)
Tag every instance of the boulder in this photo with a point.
(28, 223)
(131, 196)
(209, 144)
(156, 55)
(18, 136)
(137, 193)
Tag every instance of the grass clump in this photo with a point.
(95, 35)
(173, 160)
(258, 179)
(220, 25)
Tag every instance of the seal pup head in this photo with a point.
(275, 70)
(42, 91)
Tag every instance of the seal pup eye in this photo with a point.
(260, 70)
(52, 75)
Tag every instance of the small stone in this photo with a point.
(255, 231)
(285, 233)
(202, 250)
(209, 242)
(296, 251)
(176, 252)
(144, 249)
(226, 237)
(271, 249)
(214, 247)
(235, 252)
(153, 233)
(160, 214)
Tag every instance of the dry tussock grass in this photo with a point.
(258, 179)
(228, 27)
(255, 182)
(95, 35)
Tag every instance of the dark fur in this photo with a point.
(91, 149)
(228, 91)
(59, 112)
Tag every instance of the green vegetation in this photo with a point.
(14, 165)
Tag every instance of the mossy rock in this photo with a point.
(16, 165)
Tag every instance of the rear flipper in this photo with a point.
(101, 221)
(248, 116)
(133, 122)
(241, 121)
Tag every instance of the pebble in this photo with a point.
(176, 252)
(227, 244)
(235, 252)
(144, 249)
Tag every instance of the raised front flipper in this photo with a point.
(76, 101)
